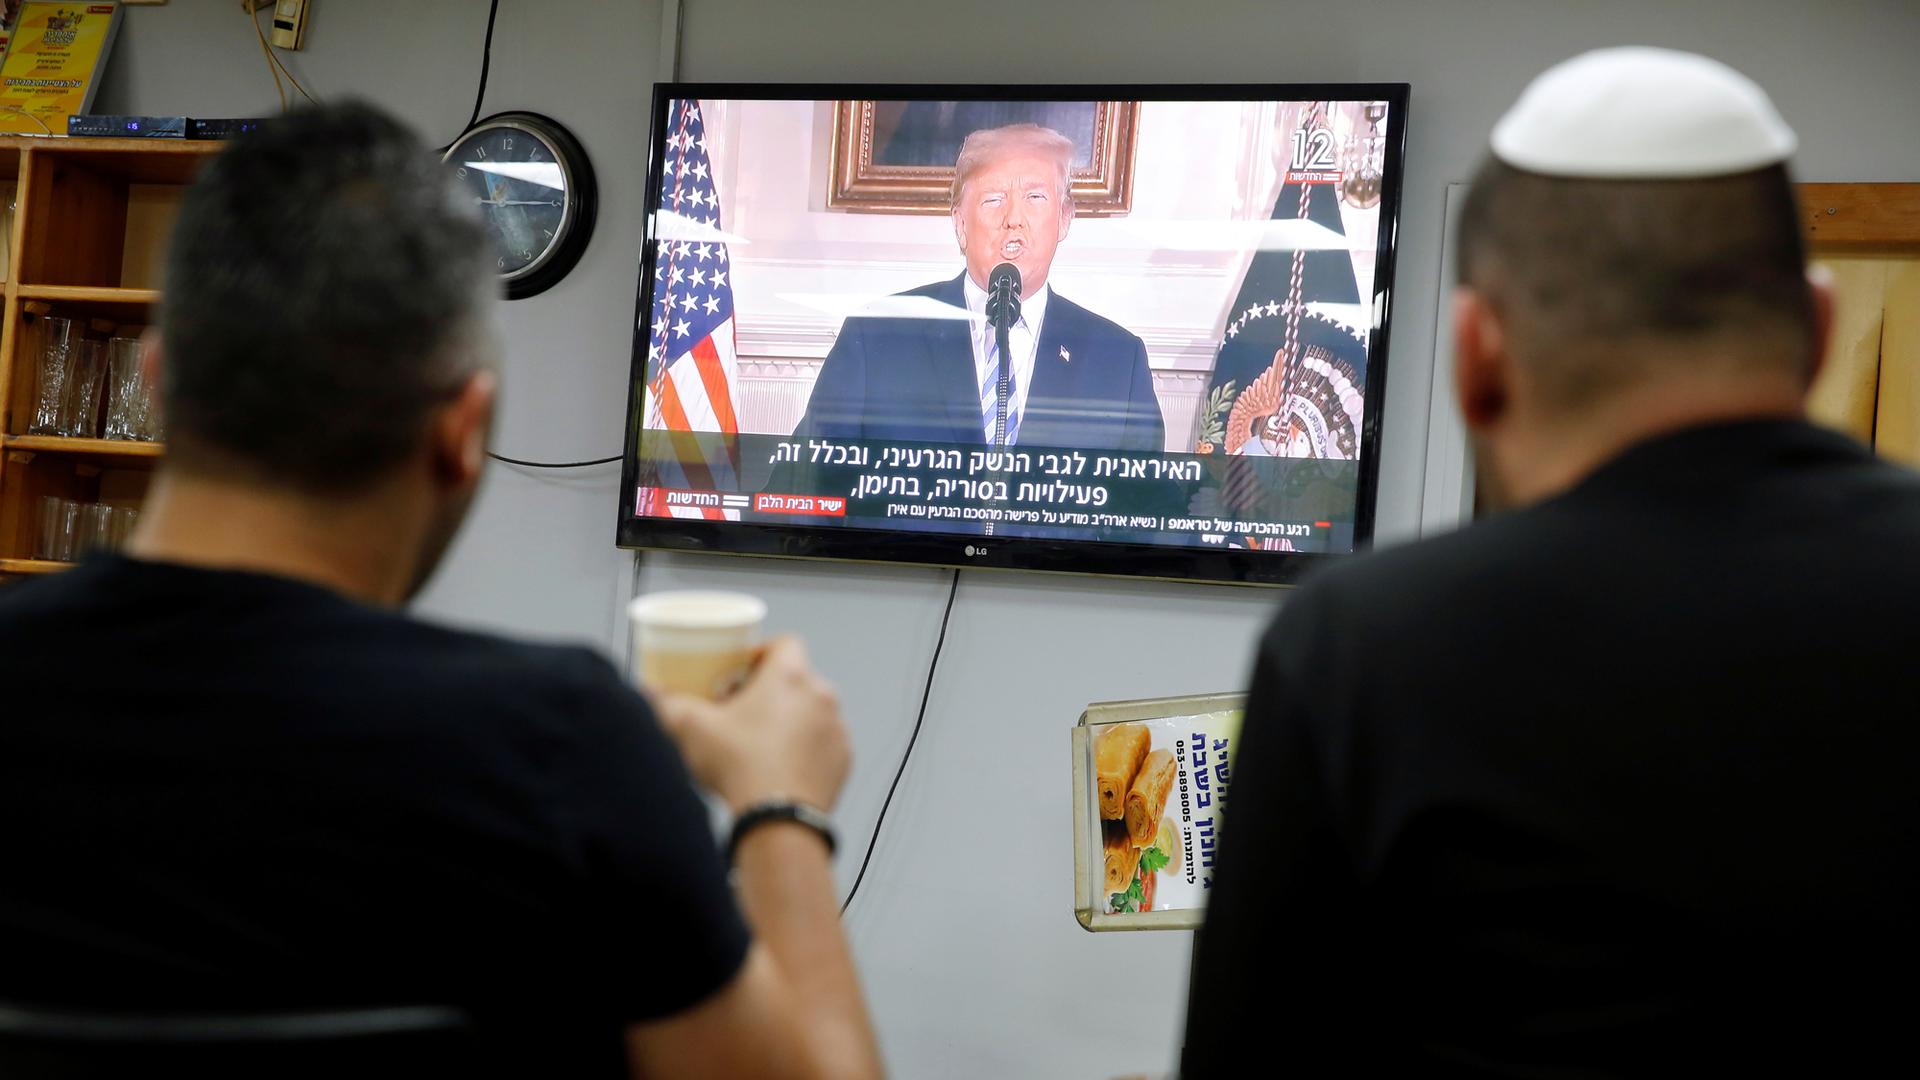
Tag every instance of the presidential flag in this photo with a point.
(1289, 377)
(692, 364)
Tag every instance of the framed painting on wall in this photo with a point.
(897, 157)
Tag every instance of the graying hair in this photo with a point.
(986, 144)
(310, 334)
(1590, 274)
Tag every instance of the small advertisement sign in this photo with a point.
(1151, 780)
(52, 65)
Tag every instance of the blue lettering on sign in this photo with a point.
(1221, 770)
(1207, 842)
(1201, 796)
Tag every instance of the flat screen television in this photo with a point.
(1134, 330)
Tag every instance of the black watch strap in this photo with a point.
(779, 810)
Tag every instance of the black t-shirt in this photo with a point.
(230, 791)
(1622, 784)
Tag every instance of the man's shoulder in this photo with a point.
(80, 587)
(1084, 325)
(904, 322)
(477, 698)
(946, 291)
(1591, 553)
(1419, 591)
(318, 643)
(572, 669)
(1494, 541)
(571, 687)
(945, 288)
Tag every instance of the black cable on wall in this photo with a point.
(926, 693)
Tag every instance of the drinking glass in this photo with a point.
(96, 529)
(127, 396)
(124, 519)
(59, 528)
(54, 357)
(80, 411)
(46, 525)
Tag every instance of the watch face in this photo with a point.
(520, 182)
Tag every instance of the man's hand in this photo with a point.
(779, 736)
(794, 1010)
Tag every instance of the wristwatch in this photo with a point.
(771, 810)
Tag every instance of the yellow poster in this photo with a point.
(53, 64)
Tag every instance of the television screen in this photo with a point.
(1126, 330)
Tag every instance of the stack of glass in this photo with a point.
(76, 373)
(70, 528)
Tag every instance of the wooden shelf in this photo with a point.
(1884, 217)
(87, 239)
(153, 161)
(84, 144)
(31, 566)
(16, 140)
(84, 294)
(60, 444)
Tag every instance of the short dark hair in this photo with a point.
(322, 289)
(1602, 281)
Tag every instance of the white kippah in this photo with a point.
(1642, 113)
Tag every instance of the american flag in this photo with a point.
(692, 365)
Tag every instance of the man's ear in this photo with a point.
(1820, 287)
(1482, 375)
(458, 440)
(1066, 218)
(959, 228)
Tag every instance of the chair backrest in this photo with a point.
(38, 1043)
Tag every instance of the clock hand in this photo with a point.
(519, 202)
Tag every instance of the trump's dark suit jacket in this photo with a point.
(1626, 783)
(913, 380)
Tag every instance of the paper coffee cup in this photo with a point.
(699, 643)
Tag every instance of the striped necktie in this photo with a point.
(990, 396)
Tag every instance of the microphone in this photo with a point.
(1003, 310)
(1003, 296)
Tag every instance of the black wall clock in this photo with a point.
(535, 187)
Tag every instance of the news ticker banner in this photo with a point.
(1150, 783)
(1279, 504)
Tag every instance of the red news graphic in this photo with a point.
(677, 499)
(712, 503)
(808, 505)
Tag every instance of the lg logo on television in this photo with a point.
(976, 551)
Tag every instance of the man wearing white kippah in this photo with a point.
(1607, 784)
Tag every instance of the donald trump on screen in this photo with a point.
(1075, 379)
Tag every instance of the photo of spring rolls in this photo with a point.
(1117, 754)
(1122, 858)
(1147, 798)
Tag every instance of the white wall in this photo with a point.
(974, 964)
